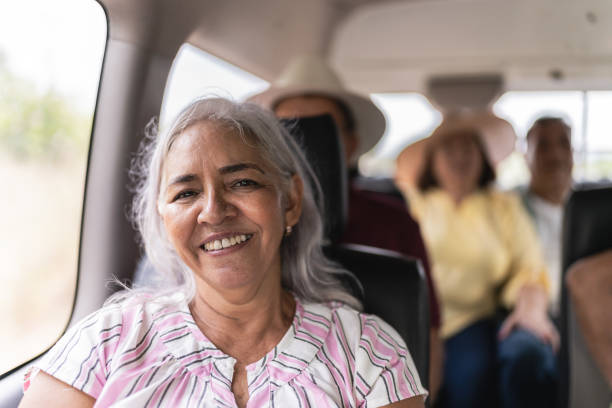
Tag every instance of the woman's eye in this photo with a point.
(184, 194)
(245, 183)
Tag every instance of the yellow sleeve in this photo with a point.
(415, 201)
(527, 260)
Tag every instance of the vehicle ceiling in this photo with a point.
(380, 45)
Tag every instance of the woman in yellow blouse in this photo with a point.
(485, 256)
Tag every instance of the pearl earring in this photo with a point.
(288, 230)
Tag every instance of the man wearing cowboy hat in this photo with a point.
(309, 87)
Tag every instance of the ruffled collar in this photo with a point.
(293, 354)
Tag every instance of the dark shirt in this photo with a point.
(382, 221)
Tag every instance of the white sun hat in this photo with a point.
(310, 75)
(497, 135)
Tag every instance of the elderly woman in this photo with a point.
(259, 318)
(485, 256)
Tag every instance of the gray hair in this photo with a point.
(305, 270)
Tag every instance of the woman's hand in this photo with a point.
(530, 313)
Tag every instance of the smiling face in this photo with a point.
(549, 156)
(458, 163)
(223, 210)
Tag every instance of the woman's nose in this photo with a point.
(215, 209)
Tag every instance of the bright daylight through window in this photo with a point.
(50, 60)
(196, 73)
(410, 116)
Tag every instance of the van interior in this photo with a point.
(446, 54)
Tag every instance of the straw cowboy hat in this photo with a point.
(311, 75)
(497, 134)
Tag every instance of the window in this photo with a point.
(585, 111)
(410, 117)
(50, 60)
(595, 161)
(196, 73)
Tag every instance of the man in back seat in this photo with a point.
(309, 87)
(550, 161)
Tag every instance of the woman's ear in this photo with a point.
(293, 211)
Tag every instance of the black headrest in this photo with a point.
(587, 227)
(318, 137)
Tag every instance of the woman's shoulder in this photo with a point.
(120, 323)
(503, 201)
(503, 196)
(375, 348)
(334, 311)
(103, 339)
(507, 212)
(145, 303)
(422, 203)
(354, 325)
(124, 318)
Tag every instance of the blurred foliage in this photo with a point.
(597, 167)
(38, 125)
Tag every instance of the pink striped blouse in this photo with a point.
(152, 354)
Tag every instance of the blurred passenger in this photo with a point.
(550, 161)
(309, 87)
(485, 255)
(590, 286)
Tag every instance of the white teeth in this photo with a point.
(226, 242)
